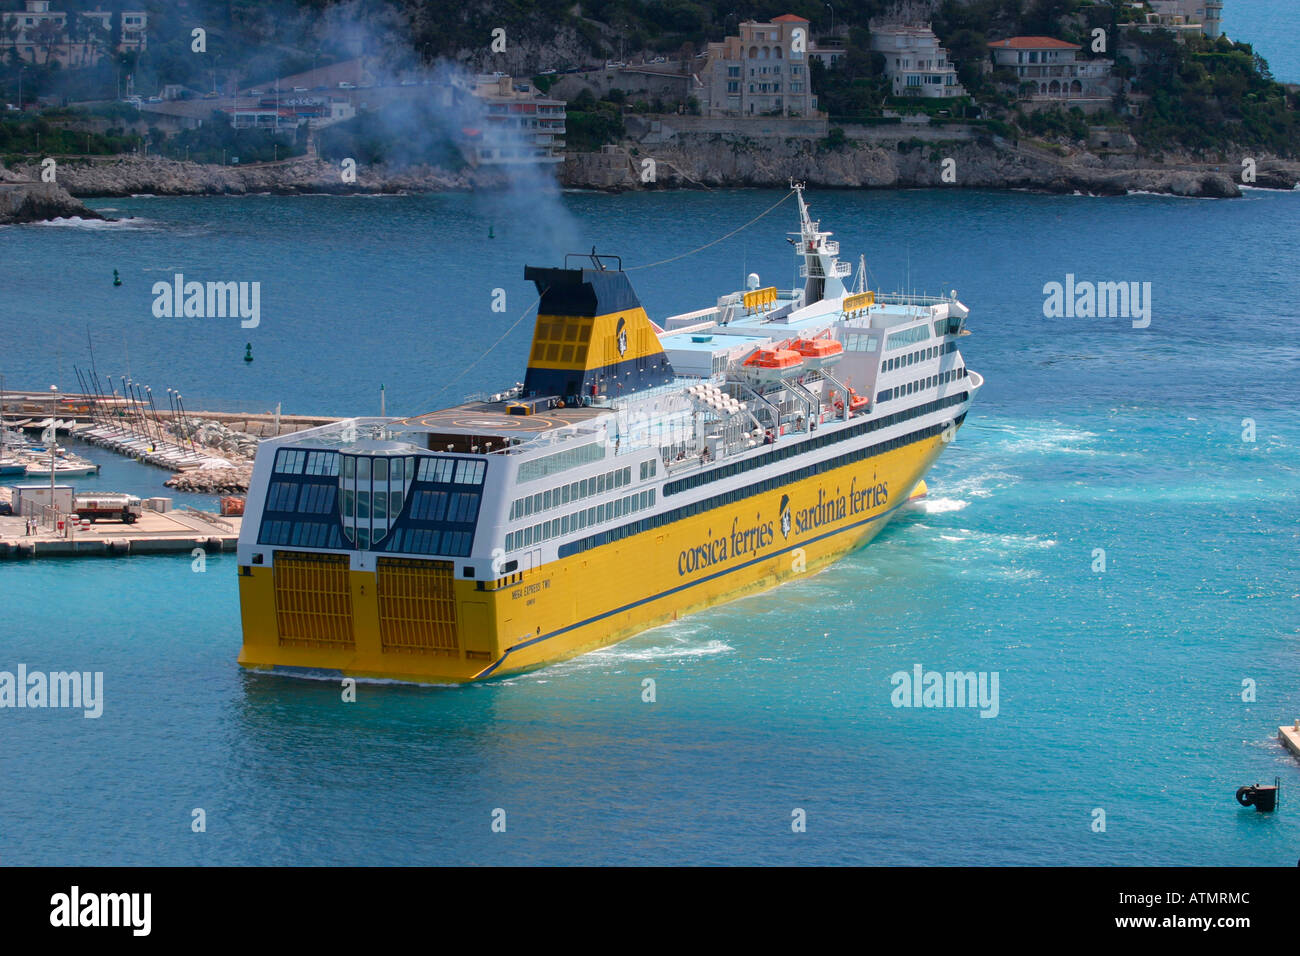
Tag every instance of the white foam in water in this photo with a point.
(621, 652)
(997, 542)
(76, 222)
(938, 506)
(631, 653)
(1044, 437)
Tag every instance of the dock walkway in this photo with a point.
(153, 533)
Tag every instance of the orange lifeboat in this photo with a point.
(857, 402)
(818, 352)
(774, 363)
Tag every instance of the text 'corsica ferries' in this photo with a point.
(639, 473)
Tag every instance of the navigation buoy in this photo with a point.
(1263, 799)
(117, 279)
(492, 232)
(248, 352)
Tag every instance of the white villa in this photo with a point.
(914, 62)
(1203, 16)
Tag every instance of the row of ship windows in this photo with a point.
(364, 505)
(310, 498)
(317, 534)
(557, 527)
(573, 491)
(298, 461)
(760, 487)
(918, 333)
(441, 506)
(913, 357)
(782, 452)
(561, 461)
(428, 541)
(899, 391)
(440, 470)
(306, 534)
(433, 468)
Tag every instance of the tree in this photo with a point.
(46, 36)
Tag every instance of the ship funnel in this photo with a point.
(592, 337)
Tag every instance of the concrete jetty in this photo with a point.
(77, 409)
(1290, 737)
(154, 533)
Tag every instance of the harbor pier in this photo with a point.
(153, 533)
(1290, 737)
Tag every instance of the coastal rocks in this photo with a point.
(27, 201)
(213, 481)
(153, 175)
(695, 159)
(211, 434)
(1277, 175)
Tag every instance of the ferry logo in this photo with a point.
(621, 340)
(785, 517)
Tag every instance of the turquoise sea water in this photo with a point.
(1272, 27)
(1119, 690)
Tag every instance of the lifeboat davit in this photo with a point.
(819, 351)
(775, 363)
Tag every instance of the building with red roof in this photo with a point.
(1053, 67)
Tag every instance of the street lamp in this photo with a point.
(832, 9)
(54, 441)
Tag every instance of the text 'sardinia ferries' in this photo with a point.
(639, 473)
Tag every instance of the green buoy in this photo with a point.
(248, 352)
(491, 233)
(117, 279)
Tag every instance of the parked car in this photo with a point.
(211, 95)
(659, 59)
(154, 99)
(344, 85)
(255, 92)
(300, 89)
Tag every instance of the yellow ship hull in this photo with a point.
(412, 620)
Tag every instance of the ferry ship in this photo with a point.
(639, 473)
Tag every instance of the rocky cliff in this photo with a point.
(22, 200)
(127, 175)
(683, 160)
(723, 160)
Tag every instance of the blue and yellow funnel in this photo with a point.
(592, 337)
